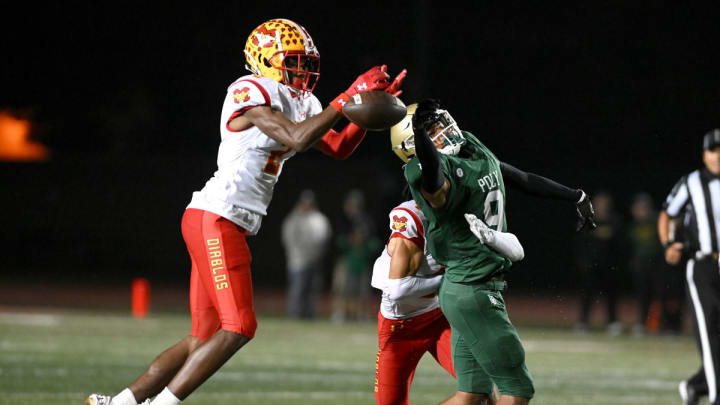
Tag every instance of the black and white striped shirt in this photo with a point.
(697, 196)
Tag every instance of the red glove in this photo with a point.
(374, 79)
(395, 85)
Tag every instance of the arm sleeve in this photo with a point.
(340, 145)
(677, 198)
(432, 175)
(412, 286)
(536, 185)
(508, 245)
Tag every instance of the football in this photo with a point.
(374, 110)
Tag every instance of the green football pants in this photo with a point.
(486, 348)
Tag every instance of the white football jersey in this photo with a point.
(408, 222)
(249, 162)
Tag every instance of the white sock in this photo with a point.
(165, 398)
(125, 397)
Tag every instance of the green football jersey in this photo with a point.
(476, 187)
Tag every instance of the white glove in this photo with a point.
(505, 243)
(480, 230)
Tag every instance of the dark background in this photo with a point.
(605, 95)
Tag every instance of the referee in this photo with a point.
(696, 199)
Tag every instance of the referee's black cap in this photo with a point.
(711, 139)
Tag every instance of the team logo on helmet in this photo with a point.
(263, 38)
(399, 223)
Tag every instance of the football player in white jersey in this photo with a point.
(410, 322)
(266, 118)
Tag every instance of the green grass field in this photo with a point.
(60, 357)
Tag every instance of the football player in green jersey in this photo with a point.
(467, 178)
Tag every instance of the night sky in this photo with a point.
(605, 95)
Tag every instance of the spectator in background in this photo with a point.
(305, 234)
(357, 247)
(598, 255)
(646, 263)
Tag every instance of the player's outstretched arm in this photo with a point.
(537, 185)
(434, 184)
(543, 187)
(505, 243)
(340, 145)
(277, 126)
(405, 261)
(303, 135)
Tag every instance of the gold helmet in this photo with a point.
(283, 51)
(402, 137)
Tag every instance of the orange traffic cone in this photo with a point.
(652, 323)
(140, 292)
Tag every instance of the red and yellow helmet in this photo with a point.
(283, 51)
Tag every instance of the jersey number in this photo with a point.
(494, 202)
(272, 166)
